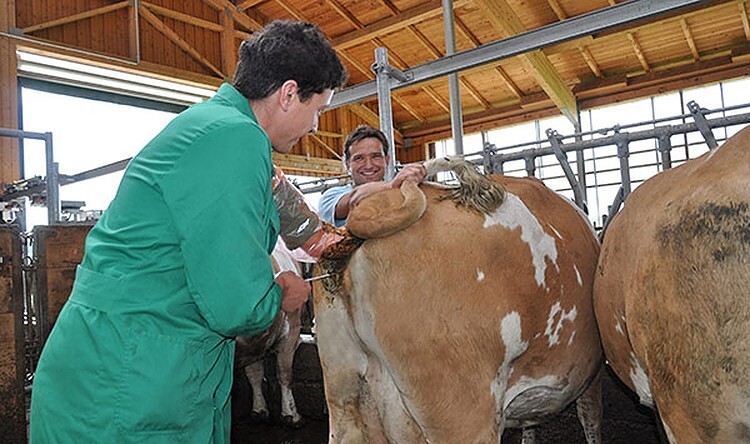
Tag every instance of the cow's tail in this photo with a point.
(475, 190)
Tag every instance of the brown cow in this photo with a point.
(282, 338)
(672, 295)
(463, 323)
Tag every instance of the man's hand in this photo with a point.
(412, 171)
(364, 190)
(294, 291)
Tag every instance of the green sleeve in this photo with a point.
(219, 194)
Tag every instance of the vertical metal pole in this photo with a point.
(581, 166)
(53, 182)
(623, 153)
(384, 106)
(454, 91)
(665, 148)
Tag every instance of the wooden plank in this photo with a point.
(394, 23)
(294, 163)
(500, 13)
(743, 16)
(76, 17)
(12, 355)
(9, 163)
(228, 43)
(247, 4)
(241, 18)
(638, 51)
(171, 35)
(690, 40)
(185, 18)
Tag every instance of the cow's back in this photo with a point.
(671, 294)
(464, 315)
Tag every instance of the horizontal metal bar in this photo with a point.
(559, 32)
(8, 132)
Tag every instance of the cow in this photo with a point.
(463, 323)
(671, 295)
(281, 339)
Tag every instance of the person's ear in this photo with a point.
(286, 94)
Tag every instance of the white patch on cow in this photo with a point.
(555, 322)
(510, 331)
(640, 381)
(524, 384)
(578, 275)
(514, 214)
(480, 275)
(618, 328)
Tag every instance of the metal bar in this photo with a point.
(383, 77)
(562, 158)
(8, 132)
(623, 153)
(634, 136)
(96, 172)
(454, 92)
(703, 127)
(665, 148)
(53, 182)
(558, 32)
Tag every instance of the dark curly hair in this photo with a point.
(287, 50)
(364, 132)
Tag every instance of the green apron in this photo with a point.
(176, 268)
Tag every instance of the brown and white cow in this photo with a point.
(672, 295)
(281, 339)
(463, 323)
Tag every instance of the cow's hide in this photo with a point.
(672, 295)
(463, 323)
(281, 339)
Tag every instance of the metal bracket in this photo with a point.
(702, 123)
(555, 141)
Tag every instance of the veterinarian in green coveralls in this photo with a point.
(179, 263)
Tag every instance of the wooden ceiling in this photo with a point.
(197, 40)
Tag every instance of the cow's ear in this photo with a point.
(387, 212)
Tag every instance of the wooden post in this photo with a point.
(9, 157)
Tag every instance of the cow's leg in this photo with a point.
(589, 408)
(344, 364)
(284, 365)
(254, 373)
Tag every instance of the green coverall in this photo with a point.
(177, 266)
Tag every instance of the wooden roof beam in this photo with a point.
(638, 51)
(690, 40)
(407, 17)
(743, 16)
(582, 49)
(76, 17)
(177, 40)
(502, 16)
(185, 18)
(241, 18)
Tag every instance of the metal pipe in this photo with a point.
(454, 91)
(558, 32)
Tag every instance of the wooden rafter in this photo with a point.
(295, 163)
(690, 40)
(76, 17)
(436, 98)
(322, 143)
(247, 4)
(743, 16)
(502, 16)
(393, 23)
(185, 18)
(348, 16)
(638, 51)
(228, 42)
(509, 82)
(177, 40)
(241, 18)
(589, 59)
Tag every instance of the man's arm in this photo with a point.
(327, 205)
(414, 172)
